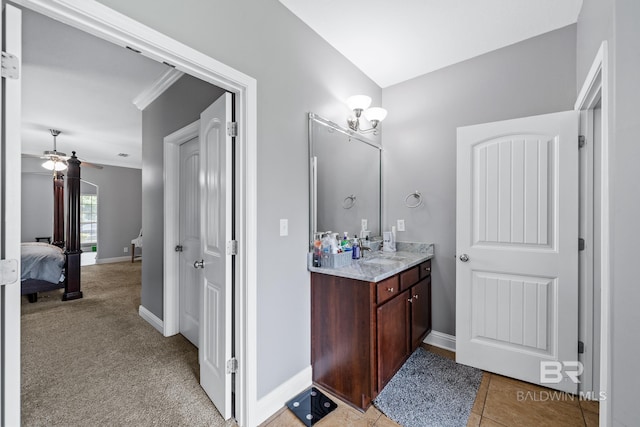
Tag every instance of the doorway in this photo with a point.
(100, 20)
(88, 222)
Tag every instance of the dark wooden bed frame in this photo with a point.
(71, 244)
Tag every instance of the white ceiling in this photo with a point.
(393, 41)
(83, 86)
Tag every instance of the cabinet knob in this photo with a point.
(427, 269)
(389, 289)
(416, 296)
(410, 300)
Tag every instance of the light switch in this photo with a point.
(284, 227)
(401, 225)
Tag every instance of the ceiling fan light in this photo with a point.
(51, 165)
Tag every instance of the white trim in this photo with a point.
(441, 340)
(151, 318)
(105, 23)
(598, 81)
(112, 260)
(276, 399)
(10, 303)
(157, 88)
(171, 274)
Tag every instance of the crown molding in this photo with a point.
(158, 87)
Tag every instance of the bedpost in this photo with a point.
(72, 283)
(58, 209)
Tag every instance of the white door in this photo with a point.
(216, 174)
(10, 165)
(517, 248)
(189, 228)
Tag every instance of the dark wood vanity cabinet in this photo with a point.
(362, 332)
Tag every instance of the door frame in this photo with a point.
(595, 89)
(10, 181)
(171, 273)
(108, 24)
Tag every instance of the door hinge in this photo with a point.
(232, 366)
(581, 244)
(8, 271)
(10, 66)
(178, 248)
(580, 347)
(582, 141)
(232, 247)
(232, 129)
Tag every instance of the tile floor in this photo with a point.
(500, 402)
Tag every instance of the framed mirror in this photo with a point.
(344, 177)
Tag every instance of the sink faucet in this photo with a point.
(362, 248)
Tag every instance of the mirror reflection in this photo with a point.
(345, 180)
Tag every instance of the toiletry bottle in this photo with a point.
(335, 246)
(317, 252)
(346, 245)
(355, 248)
(326, 243)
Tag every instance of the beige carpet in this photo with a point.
(95, 362)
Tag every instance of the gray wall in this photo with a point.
(179, 106)
(296, 72)
(119, 205)
(617, 22)
(532, 77)
(37, 203)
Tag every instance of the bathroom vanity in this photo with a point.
(366, 320)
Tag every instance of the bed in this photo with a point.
(42, 269)
(47, 267)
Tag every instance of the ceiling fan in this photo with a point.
(57, 160)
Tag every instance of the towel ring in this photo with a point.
(416, 195)
(349, 202)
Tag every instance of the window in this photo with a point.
(88, 218)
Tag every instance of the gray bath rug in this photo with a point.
(430, 391)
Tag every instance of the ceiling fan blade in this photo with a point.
(33, 156)
(84, 163)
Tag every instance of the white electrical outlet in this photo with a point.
(401, 225)
(126, 249)
(284, 227)
(363, 224)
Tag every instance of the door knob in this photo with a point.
(198, 264)
(464, 257)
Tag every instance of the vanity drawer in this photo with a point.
(409, 278)
(425, 269)
(388, 289)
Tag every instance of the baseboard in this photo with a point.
(276, 399)
(112, 260)
(439, 339)
(151, 318)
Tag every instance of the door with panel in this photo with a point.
(517, 247)
(216, 221)
(189, 229)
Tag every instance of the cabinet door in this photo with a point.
(420, 311)
(393, 336)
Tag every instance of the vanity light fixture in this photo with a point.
(360, 105)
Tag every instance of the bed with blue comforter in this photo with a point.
(42, 269)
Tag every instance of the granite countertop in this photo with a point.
(378, 265)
